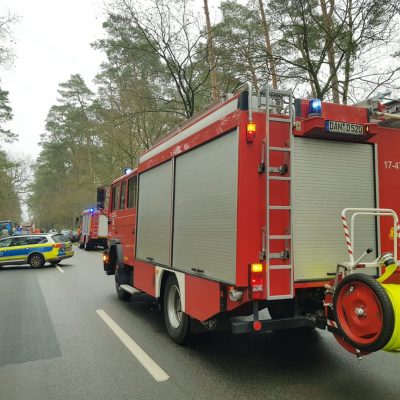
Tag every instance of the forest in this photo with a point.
(165, 61)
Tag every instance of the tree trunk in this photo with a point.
(270, 61)
(349, 53)
(211, 58)
(327, 16)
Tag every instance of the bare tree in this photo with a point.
(21, 173)
(211, 58)
(327, 14)
(341, 48)
(174, 34)
(270, 60)
(6, 52)
(6, 59)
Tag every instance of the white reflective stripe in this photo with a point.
(154, 369)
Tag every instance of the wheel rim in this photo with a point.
(174, 307)
(36, 261)
(347, 346)
(360, 313)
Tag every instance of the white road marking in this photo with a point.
(60, 269)
(154, 369)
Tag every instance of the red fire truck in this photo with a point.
(93, 226)
(240, 210)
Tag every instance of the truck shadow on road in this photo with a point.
(286, 364)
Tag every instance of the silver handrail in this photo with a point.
(378, 212)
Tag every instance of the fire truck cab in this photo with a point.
(240, 210)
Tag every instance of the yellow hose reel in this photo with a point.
(393, 292)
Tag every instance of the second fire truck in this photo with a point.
(93, 226)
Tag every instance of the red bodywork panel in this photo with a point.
(251, 188)
(122, 222)
(144, 277)
(203, 297)
(388, 170)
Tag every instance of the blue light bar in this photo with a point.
(91, 210)
(315, 107)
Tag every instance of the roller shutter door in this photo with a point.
(327, 177)
(154, 214)
(206, 208)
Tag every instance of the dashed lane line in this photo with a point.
(60, 269)
(147, 362)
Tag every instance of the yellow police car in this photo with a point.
(34, 250)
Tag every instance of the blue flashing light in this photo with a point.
(91, 210)
(127, 170)
(315, 107)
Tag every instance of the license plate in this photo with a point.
(344, 127)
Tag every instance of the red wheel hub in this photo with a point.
(347, 346)
(359, 313)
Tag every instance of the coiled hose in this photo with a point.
(393, 292)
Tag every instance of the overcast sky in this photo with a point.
(52, 42)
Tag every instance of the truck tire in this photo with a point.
(176, 321)
(123, 275)
(122, 295)
(363, 312)
(36, 260)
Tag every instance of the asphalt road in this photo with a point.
(54, 345)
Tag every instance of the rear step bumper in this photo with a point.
(240, 326)
(130, 289)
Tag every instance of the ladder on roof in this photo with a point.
(277, 164)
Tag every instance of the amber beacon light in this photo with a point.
(250, 131)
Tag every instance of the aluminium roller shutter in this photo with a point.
(154, 214)
(329, 176)
(206, 208)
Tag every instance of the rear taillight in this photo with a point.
(57, 245)
(257, 281)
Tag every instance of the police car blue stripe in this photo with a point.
(24, 252)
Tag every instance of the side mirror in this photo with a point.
(101, 198)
